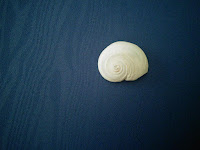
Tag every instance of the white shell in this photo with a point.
(122, 61)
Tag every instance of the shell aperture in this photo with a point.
(122, 61)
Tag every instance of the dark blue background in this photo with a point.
(53, 97)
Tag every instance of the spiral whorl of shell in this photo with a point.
(122, 61)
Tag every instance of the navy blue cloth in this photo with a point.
(53, 97)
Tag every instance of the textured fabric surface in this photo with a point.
(53, 97)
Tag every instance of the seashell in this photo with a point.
(122, 61)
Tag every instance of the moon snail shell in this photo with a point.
(122, 61)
